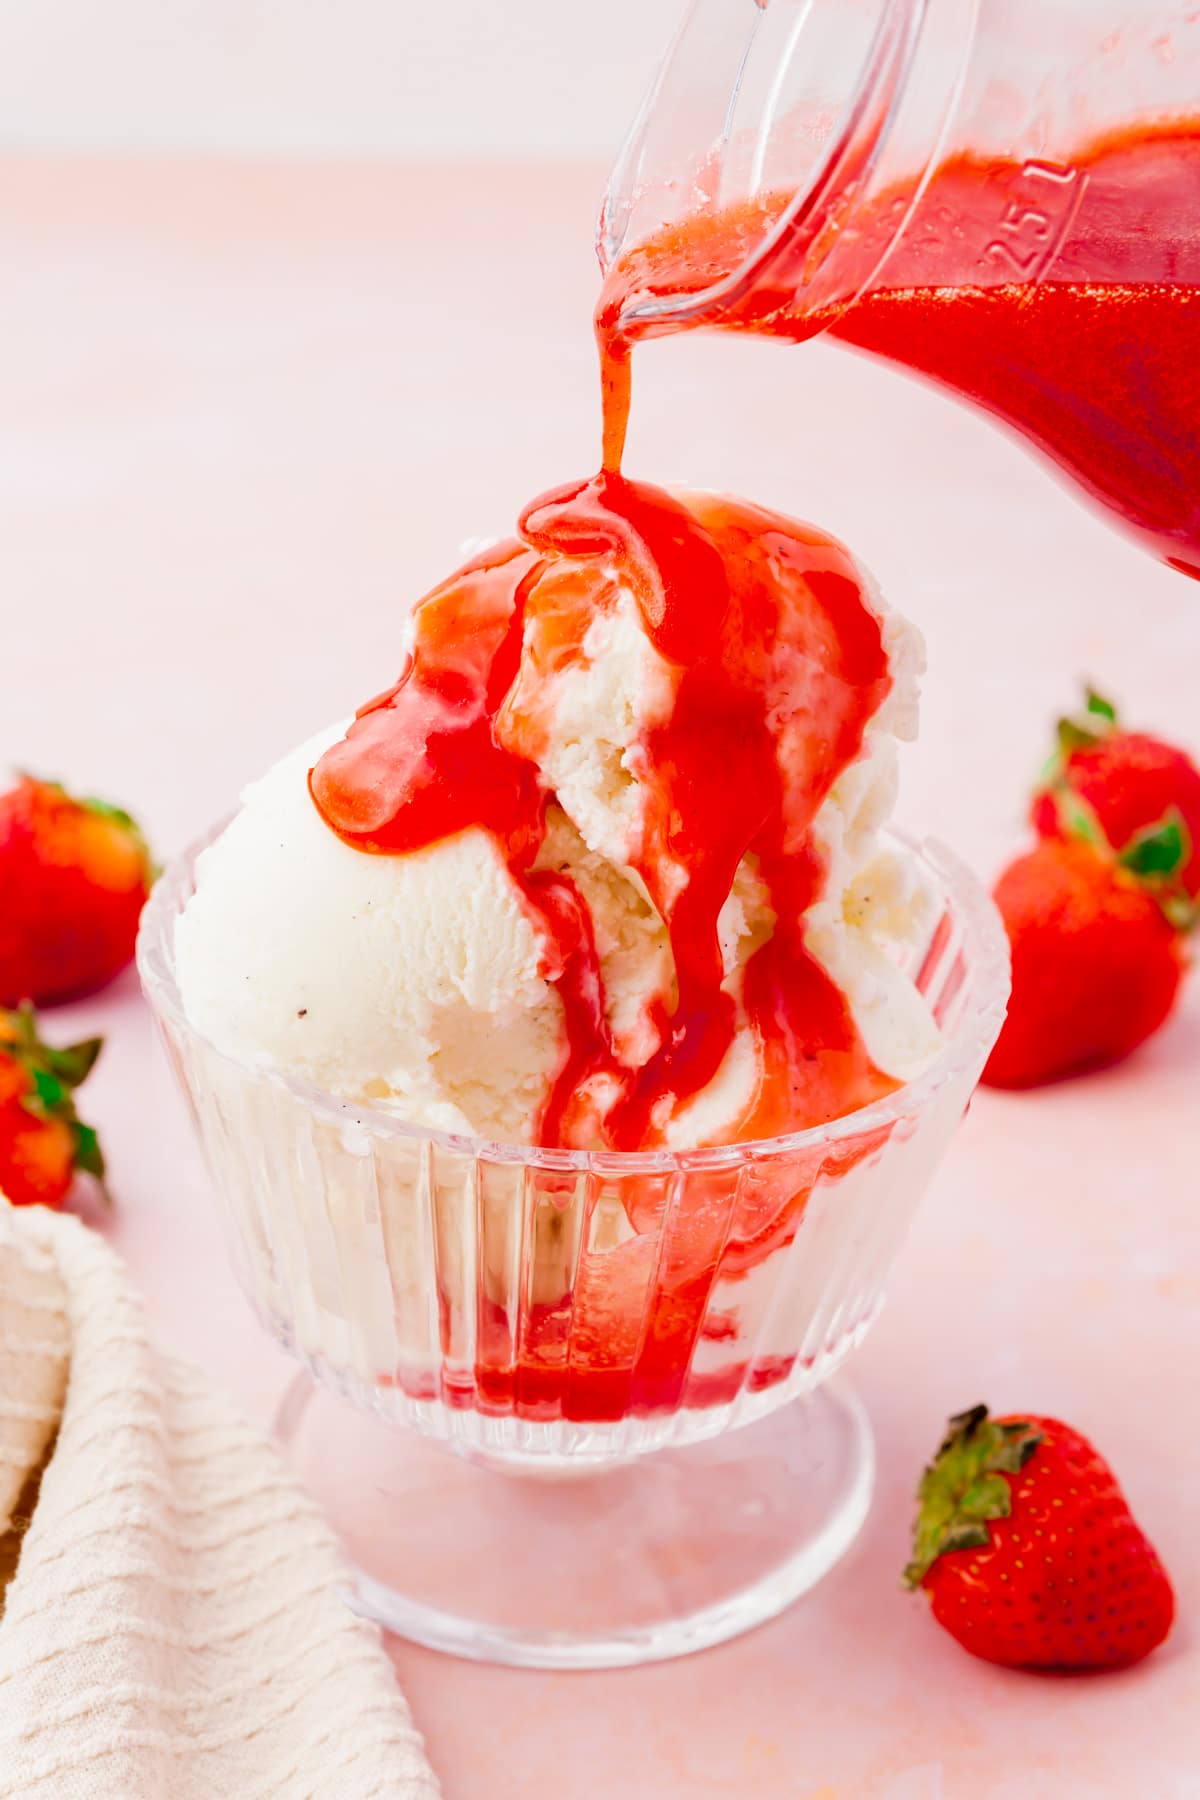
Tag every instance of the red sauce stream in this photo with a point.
(1094, 363)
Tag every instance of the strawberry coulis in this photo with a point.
(719, 584)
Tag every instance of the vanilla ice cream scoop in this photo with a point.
(604, 867)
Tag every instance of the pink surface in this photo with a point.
(249, 412)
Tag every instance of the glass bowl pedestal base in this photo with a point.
(579, 1565)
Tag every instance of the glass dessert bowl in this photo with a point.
(657, 1326)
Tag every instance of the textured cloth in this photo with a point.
(171, 1624)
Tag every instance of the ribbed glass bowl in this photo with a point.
(556, 1309)
(560, 1303)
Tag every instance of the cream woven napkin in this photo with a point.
(171, 1627)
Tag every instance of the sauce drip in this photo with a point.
(776, 657)
(1093, 361)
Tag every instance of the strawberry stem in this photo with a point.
(53, 1074)
(1097, 721)
(963, 1488)
(1100, 708)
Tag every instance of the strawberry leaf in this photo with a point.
(74, 1063)
(1161, 850)
(1072, 736)
(1098, 721)
(1156, 859)
(49, 1089)
(963, 1489)
(103, 809)
(88, 1155)
(1099, 707)
(20, 1030)
(1078, 820)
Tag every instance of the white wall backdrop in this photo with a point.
(348, 77)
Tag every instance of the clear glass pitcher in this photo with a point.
(1001, 194)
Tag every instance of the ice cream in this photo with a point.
(603, 868)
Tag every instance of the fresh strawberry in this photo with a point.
(74, 875)
(1120, 788)
(43, 1142)
(1030, 1554)
(1096, 962)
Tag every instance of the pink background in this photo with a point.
(248, 413)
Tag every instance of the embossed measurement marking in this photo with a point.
(1044, 198)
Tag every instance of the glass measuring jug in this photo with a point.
(1003, 195)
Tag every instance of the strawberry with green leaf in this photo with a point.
(1132, 794)
(1097, 913)
(1029, 1553)
(1097, 960)
(44, 1143)
(74, 875)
